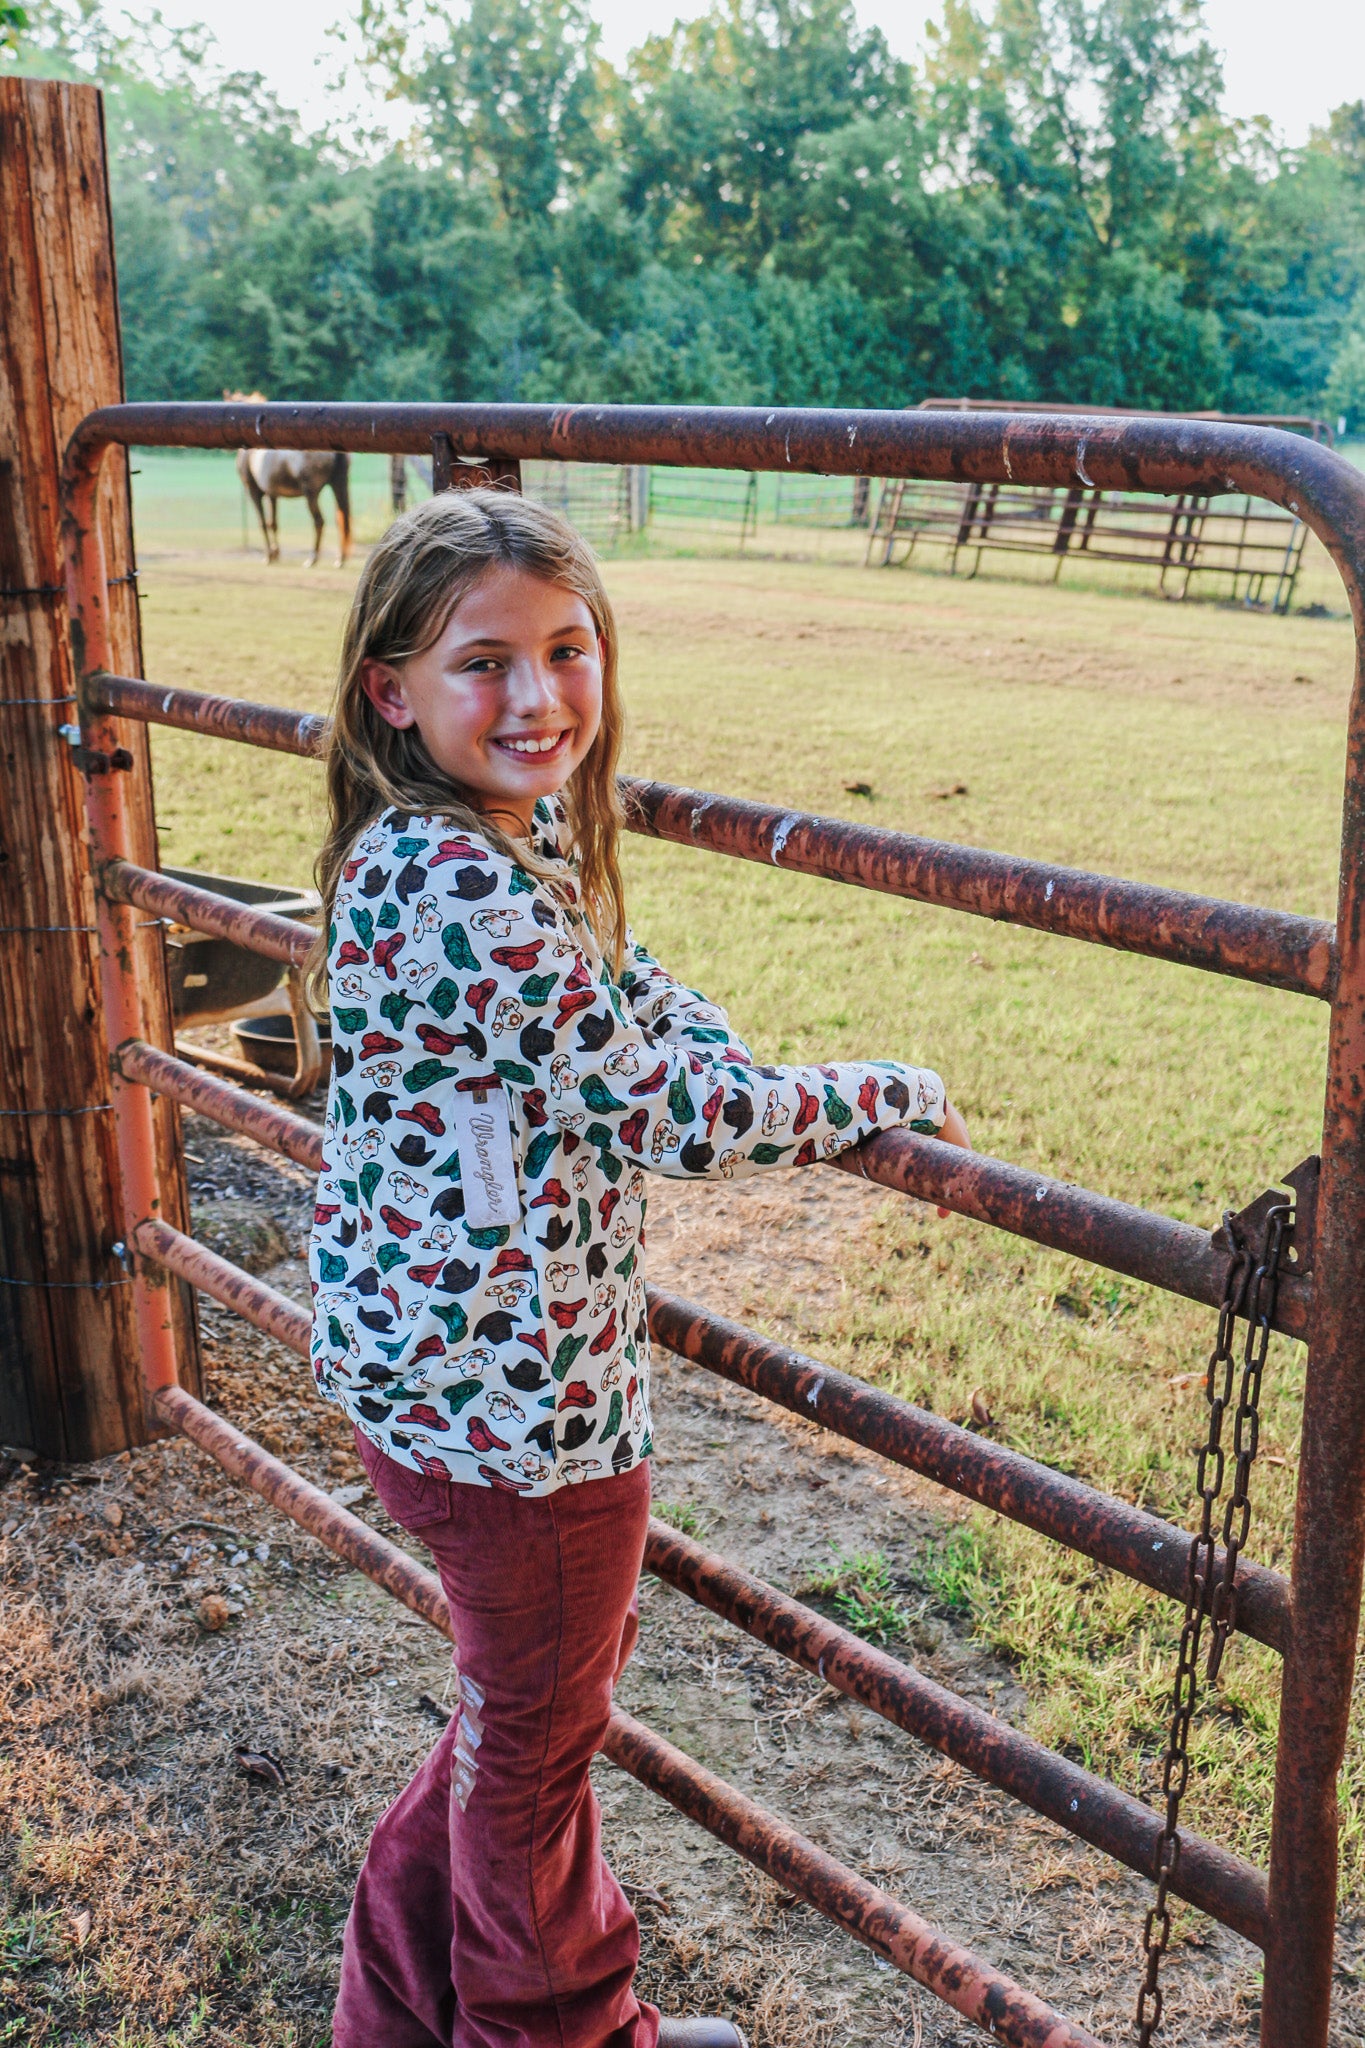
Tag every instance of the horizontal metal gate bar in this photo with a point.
(260, 931)
(1101, 451)
(222, 718)
(252, 1465)
(1224, 1885)
(953, 1974)
(1238, 939)
(1125, 1538)
(1139, 1242)
(248, 1297)
(1272, 947)
(295, 1136)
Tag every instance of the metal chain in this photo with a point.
(1249, 1290)
(1175, 1766)
(1260, 1308)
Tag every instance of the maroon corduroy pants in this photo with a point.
(485, 1915)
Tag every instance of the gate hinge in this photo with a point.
(1299, 1238)
(91, 761)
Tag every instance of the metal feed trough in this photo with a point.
(213, 978)
(1292, 1261)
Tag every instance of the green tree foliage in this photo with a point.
(764, 206)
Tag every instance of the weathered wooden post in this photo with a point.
(70, 1385)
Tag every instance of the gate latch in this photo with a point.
(90, 760)
(1250, 1224)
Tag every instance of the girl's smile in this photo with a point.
(508, 697)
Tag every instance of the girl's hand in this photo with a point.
(954, 1132)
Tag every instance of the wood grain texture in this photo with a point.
(69, 1381)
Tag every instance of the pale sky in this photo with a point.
(1294, 74)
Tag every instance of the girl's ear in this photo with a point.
(384, 687)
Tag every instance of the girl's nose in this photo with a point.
(531, 688)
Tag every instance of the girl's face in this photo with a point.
(508, 699)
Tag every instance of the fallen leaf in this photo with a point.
(980, 1408)
(113, 1514)
(1183, 1380)
(213, 1611)
(346, 1496)
(942, 795)
(1268, 1459)
(259, 1763)
(81, 1924)
(980, 960)
(858, 788)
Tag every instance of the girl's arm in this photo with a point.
(524, 1003)
(667, 1009)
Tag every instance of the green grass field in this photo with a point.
(1194, 744)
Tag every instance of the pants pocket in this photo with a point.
(414, 1499)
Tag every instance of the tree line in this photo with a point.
(762, 206)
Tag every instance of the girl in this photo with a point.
(509, 1066)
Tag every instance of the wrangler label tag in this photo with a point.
(488, 1174)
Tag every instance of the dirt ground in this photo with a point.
(157, 1623)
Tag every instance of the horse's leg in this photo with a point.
(257, 497)
(341, 491)
(272, 538)
(315, 512)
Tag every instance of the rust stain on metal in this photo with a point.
(1110, 1531)
(1165, 456)
(962, 1980)
(224, 718)
(250, 1464)
(279, 938)
(280, 1129)
(1232, 1890)
(1269, 946)
(1139, 1242)
(250, 1298)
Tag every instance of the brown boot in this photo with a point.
(700, 2034)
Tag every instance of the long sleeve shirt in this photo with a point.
(498, 1101)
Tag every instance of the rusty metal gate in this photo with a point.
(1315, 1236)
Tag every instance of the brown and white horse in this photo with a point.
(270, 474)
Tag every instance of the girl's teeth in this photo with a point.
(533, 746)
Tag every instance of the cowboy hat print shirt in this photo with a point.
(498, 1101)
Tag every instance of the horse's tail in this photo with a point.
(341, 491)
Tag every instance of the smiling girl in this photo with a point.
(509, 1067)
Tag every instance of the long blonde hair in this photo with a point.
(426, 563)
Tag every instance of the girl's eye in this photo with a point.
(482, 665)
(567, 653)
